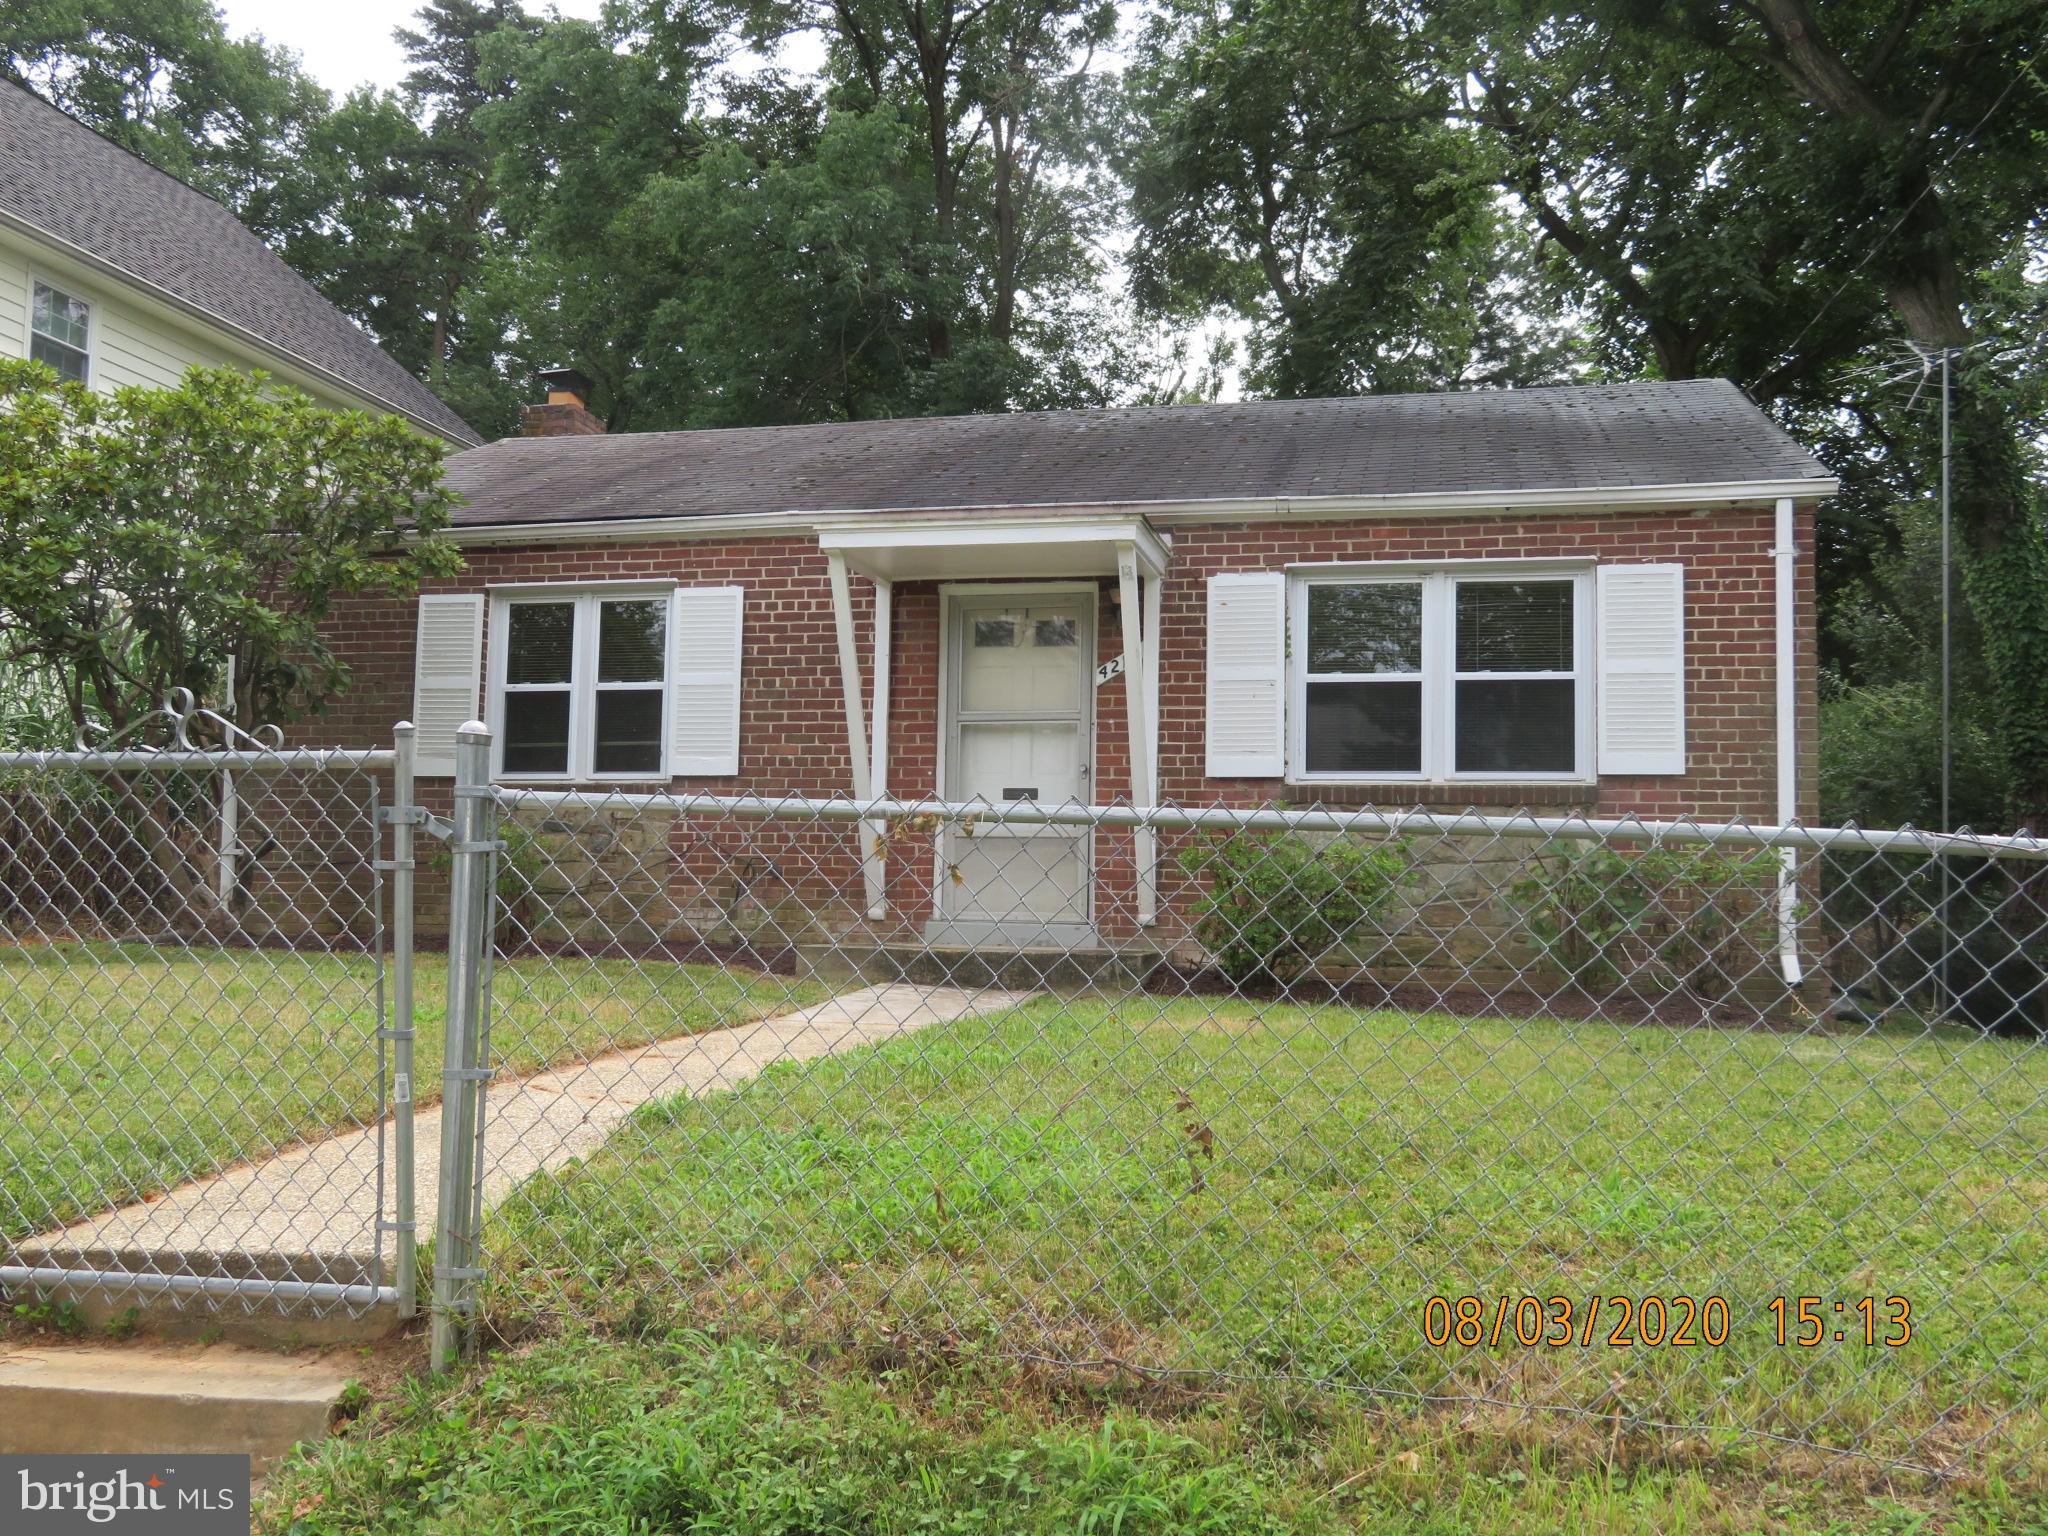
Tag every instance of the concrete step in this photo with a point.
(167, 1399)
(1025, 969)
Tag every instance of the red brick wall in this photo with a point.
(792, 724)
(1731, 657)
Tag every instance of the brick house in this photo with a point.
(1596, 599)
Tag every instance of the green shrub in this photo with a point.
(1277, 904)
(1696, 917)
(519, 865)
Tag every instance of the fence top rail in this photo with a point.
(199, 760)
(1275, 819)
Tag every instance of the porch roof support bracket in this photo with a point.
(856, 721)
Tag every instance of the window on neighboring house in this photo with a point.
(60, 329)
(581, 685)
(1438, 675)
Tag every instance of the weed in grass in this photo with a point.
(57, 1315)
(123, 1324)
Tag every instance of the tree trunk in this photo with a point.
(939, 138)
(1009, 245)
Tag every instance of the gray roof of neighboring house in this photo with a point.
(1594, 437)
(60, 178)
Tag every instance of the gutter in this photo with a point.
(191, 311)
(1786, 554)
(1265, 509)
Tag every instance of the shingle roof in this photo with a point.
(1595, 438)
(59, 177)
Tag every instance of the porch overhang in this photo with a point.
(954, 547)
(941, 546)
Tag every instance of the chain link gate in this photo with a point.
(205, 1023)
(1682, 1129)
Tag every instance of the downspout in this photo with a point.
(225, 873)
(878, 771)
(1787, 556)
(1137, 714)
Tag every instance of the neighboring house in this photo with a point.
(114, 273)
(1591, 599)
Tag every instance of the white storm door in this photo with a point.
(1017, 729)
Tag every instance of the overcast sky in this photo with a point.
(350, 44)
(346, 44)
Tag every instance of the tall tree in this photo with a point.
(227, 115)
(1296, 162)
(1796, 184)
(402, 221)
(1007, 117)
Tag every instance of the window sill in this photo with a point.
(1583, 794)
(640, 781)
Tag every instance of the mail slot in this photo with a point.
(1021, 794)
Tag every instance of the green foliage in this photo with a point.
(1880, 760)
(151, 536)
(57, 1315)
(1684, 915)
(1278, 904)
(1370, 197)
(1577, 903)
(1880, 720)
(1296, 163)
(163, 79)
(518, 865)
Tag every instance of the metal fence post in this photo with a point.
(456, 1249)
(404, 1212)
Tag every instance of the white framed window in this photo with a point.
(1477, 672)
(580, 683)
(60, 331)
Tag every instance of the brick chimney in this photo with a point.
(567, 411)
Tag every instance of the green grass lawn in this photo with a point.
(1038, 1184)
(126, 1069)
(581, 1435)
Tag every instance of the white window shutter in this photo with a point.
(447, 667)
(1247, 735)
(1641, 616)
(705, 632)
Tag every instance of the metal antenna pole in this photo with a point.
(1946, 994)
(1947, 824)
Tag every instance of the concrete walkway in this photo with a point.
(313, 1211)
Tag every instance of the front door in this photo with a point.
(1020, 690)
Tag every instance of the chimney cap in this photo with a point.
(568, 381)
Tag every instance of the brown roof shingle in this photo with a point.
(1593, 438)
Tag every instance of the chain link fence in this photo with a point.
(1672, 1128)
(1679, 1128)
(195, 1051)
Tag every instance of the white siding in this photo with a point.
(129, 347)
(13, 303)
